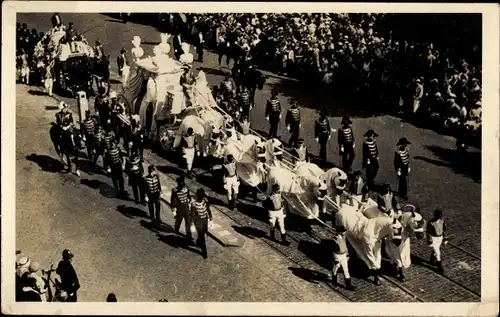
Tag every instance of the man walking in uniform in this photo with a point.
(180, 200)
(109, 139)
(189, 146)
(135, 177)
(402, 166)
(292, 121)
(322, 133)
(436, 236)
(116, 165)
(89, 125)
(276, 211)
(346, 144)
(153, 194)
(202, 214)
(370, 156)
(273, 114)
(340, 257)
(231, 182)
(244, 101)
(300, 154)
(69, 278)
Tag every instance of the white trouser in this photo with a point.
(416, 105)
(189, 156)
(231, 184)
(49, 84)
(280, 217)
(436, 247)
(340, 260)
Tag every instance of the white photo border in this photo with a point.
(490, 163)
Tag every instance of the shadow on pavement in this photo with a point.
(46, 163)
(213, 71)
(321, 253)
(206, 179)
(176, 241)
(250, 232)
(36, 93)
(254, 211)
(169, 170)
(469, 164)
(51, 108)
(104, 189)
(132, 212)
(156, 228)
(309, 275)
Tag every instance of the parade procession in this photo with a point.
(171, 134)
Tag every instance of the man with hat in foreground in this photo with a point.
(276, 211)
(153, 194)
(346, 144)
(67, 273)
(322, 133)
(402, 166)
(292, 121)
(273, 114)
(180, 200)
(231, 182)
(436, 236)
(340, 257)
(370, 156)
(189, 146)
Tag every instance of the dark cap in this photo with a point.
(370, 133)
(357, 173)
(274, 92)
(346, 120)
(66, 254)
(300, 141)
(111, 298)
(403, 141)
(200, 193)
(151, 168)
(230, 157)
(276, 187)
(438, 213)
(341, 229)
(181, 181)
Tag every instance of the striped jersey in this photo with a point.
(89, 125)
(370, 149)
(228, 85)
(108, 140)
(153, 184)
(114, 155)
(293, 116)
(402, 158)
(322, 127)
(180, 196)
(135, 166)
(273, 107)
(346, 136)
(245, 98)
(200, 208)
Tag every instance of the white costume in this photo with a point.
(187, 58)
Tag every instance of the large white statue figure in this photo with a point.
(137, 51)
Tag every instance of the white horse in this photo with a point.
(412, 222)
(365, 235)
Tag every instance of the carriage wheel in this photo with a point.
(164, 138)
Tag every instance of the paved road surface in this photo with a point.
(435, 180)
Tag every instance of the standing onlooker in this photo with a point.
(69, 279)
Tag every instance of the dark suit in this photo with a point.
(199, 42)
(176, 43)
(121, 61)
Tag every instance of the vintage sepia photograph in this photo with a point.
(270, 155)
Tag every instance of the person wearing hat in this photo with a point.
(116, 167)
(300, 153)
(153, 193)
(189, 149)
(417, 95)
(340, 258)
(231, 181)
(49, 75)
(69, 279)
(71, 36)
(387, 202)
(108, 139)
(89, 129)
(201, 215)
(358, 188)
(273, 114)
(436, 236)
(40, 285)
(180, 202)
(276, 211)
(370, 156)
(244, 102)
(322, 133)
(122, 61)
(102, 106)
(135, 172)
(292, 121)
(402, 166)
(346, 143)
(56, 20)
(135, 136)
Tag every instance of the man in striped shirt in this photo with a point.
(116, 165)
(273, 114)
(135, 179)
(370, 156)
(108, 140)
(179, 201)
(322, 133)
(89, 127)
(292, 121)
(402, 166)
(202, 214)
(153, 194)
(346, 143)
(244, 101)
